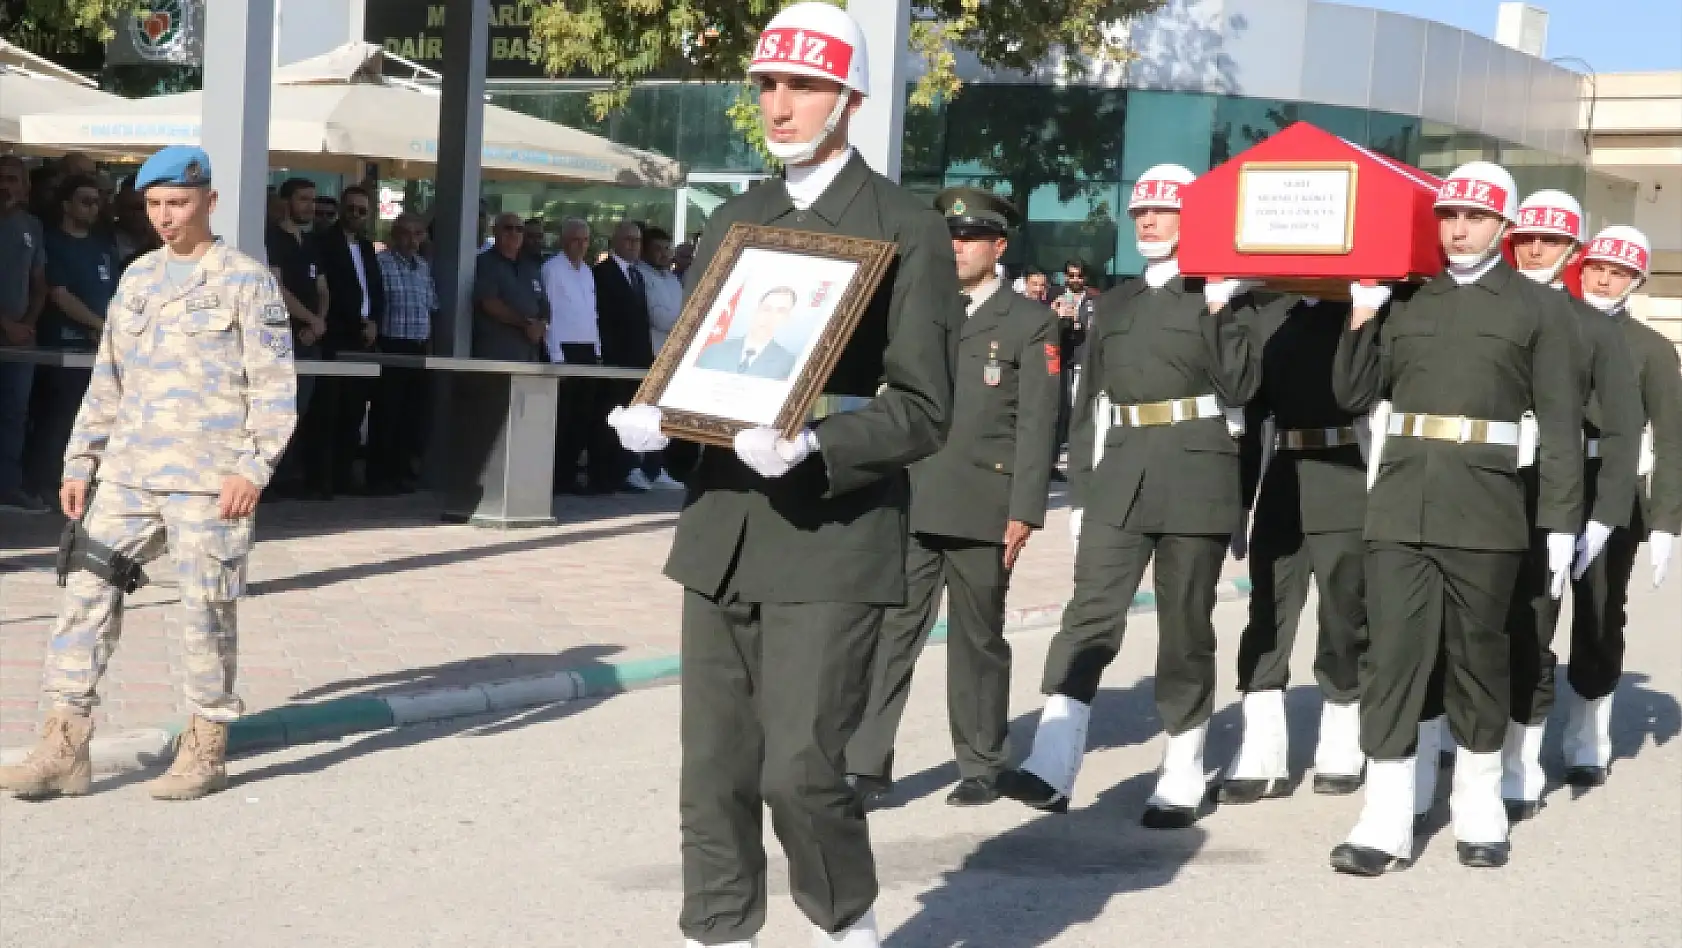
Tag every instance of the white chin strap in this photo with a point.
(1547, 275)
(1607, 304)
(1467, 262)
(1157, 249)
(798, 153)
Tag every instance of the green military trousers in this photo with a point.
(1281, 566)
(1109, 565)
(1598, 616)
(771, 693)
(973, 575)
(1437, 623)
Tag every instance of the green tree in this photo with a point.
(28, 22)
(627, 40)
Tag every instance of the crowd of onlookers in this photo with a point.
(67, 232)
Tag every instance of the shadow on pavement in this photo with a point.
(1029, 886)
(342, 574)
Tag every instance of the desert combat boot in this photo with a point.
(59, 764)
(200, 766)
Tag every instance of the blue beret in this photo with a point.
(179, 166)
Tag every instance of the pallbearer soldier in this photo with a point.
(789, 551)
(1616, 263)
(973, 507)
(1169, 364)
(1547, 238)
(1474, 362)
(1307, 522)
(192, 399)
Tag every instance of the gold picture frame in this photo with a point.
(1344, 246)
(708, 379)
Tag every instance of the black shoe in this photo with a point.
(1586, 777)
(871, 791)
(1338, 785)
(973, 791)
(1362, 861)
(1169, 817)
(1252, 791)
(1520, 810)
(1025, 787)
(1483, 855)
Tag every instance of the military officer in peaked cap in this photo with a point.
(191, 401)
(973, 507)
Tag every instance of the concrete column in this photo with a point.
(460, 140)
(238, 76)
(880, 124)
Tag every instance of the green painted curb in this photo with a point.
(614, 677)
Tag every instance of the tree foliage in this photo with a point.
(624, 41)
(63, 20)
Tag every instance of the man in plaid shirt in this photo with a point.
(396, 426)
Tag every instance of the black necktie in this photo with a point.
(636, 278)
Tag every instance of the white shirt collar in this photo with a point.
(1158, 274)
(806, 183)
(624, 267)
(981, 295)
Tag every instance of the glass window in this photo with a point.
(1167, 127)
(1396, 136)
(1062, 227)
(1240, 124)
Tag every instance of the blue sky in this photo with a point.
(1613, 35)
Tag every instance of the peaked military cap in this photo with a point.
(972, 212)
(177, 166)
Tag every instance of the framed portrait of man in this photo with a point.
(761, 333)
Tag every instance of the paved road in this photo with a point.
(558, 827)
(376, 597)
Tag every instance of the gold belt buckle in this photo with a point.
(1156, 413)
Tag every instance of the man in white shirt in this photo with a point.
(573, 339)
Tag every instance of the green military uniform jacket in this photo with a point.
(996, 464)
(1494, 350)
(834, 528)
(1149, 346)
(1659, 378)
(1314, 491)
(1612, 413)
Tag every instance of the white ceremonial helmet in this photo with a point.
(818, 40)
(1555, 213)
(1626, 247)
(1481, 186)
(1159, 188)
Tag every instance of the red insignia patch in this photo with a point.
(1053, 361)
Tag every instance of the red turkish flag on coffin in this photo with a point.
(1306, 211)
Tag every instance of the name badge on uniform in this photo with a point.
(203, 301)
(537, 286)
(992, 373)
(312, 271)
(28, 240)
(105, 271)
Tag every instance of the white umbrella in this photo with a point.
(336, 126)
(20, 90)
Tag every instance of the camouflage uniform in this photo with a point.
(193, 382)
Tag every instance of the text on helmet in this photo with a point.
(805, 48)
(1481, 193)
(1619, 251)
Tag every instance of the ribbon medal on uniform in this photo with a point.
(203, 301)
(992, 373)
(274, 314)
(276, 341)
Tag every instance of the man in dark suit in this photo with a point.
(756, 352)
(355, 309)
(973, 506)
(622, 319)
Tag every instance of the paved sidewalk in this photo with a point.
(377, 597)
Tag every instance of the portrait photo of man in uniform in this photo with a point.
(756, 352)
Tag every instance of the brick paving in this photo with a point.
(377, 596)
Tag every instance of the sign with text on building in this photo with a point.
(414, 30)
(1296, 207)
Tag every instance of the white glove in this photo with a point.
(1561, 547)
(1074, 527)
(1369, 297)
(769, 453)
(1659, 547)
(638, 427)
(1241, 537)
(1589, 546)
(1218, 294)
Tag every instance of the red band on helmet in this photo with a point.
(1542, 217)
(813, 50)
(1624, 252)
(1478, 193)
(1157, 191)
